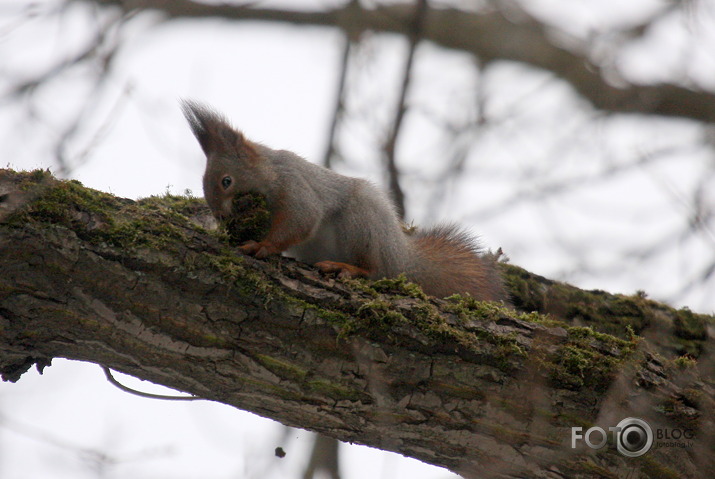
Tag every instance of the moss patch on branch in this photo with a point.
(680, 332)
(98, 217)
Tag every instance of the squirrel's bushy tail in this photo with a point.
(448, 260)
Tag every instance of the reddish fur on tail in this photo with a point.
(448, 260)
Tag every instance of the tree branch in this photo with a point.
(488, 35)
(339, 109)
(480, 389)
(390, 147)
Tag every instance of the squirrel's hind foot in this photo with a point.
(344, 270)
(259, 249)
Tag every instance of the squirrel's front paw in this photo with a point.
(259, 249)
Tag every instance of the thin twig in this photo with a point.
(114, 382)
(339, 104)
(393, 173)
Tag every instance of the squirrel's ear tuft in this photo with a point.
(210, 127)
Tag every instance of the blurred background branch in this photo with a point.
(499, 31)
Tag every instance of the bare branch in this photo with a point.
(339, 108)
(393, 174)
(488, 35)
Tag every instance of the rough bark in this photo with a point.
(489, 35)
(483, 390)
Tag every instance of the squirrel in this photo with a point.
(339, 224)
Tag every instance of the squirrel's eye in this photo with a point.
(226, 182)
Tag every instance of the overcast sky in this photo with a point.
(278, 85)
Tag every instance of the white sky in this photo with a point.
(277, 84)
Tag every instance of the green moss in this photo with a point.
(98, 217)
(616, 315)
(27, 181)
(154, 223)
(363, 285)
(334, 391)
(573, 367)
(310, 385)
(689, 331)
(685, 361)
(250, 219)
(543, 319)
(229, 266)
(458, 388)
(466, 307)
(143, 232)
(689, 325)
(399, 286)
(379, 319)
(274, 390)
(64, 202)
(185, 205)
(232, 268)
(527, 291)
(588, 358)
(586, 337)
(213, 341)
(282, 369)
(374, 318)
(329, 315)
(610, 314)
